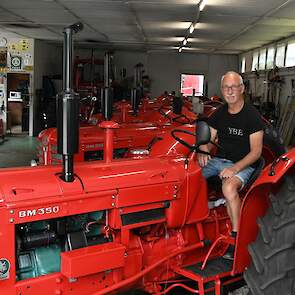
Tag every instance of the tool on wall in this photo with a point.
(256, 99)
(287, 119)
(271, 108)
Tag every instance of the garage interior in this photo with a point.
(167, 39)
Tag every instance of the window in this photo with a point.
(255, 61)
(280, 57)
(192, 83)
(262, 59)
(270, 58)
(290, 55)
(243, 65)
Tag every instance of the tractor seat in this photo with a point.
(214, 182)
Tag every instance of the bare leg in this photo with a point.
(230, 190)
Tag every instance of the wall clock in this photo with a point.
(3, 41)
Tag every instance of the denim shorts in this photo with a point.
(216, 165)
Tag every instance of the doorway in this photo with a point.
(18, 98)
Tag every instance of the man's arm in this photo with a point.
(256, 144)
(202, 158)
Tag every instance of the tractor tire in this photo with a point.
(272, 270)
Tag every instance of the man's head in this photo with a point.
(232, 87)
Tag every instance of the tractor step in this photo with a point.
(213, 267)
(215, 270)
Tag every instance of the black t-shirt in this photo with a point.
(233, 130)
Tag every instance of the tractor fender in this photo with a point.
(255, 204)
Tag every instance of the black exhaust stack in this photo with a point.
(68, 108)
(107, 91)
(137, 91)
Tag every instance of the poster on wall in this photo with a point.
(16, 62)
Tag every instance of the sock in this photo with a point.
(234, 234)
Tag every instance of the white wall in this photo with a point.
(165, 70)
(48, 61)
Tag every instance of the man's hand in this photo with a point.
(203, 158)
(228, 172)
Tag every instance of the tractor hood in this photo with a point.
(39, 185)
(96, 134)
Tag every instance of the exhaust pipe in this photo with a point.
(107, 109)
(137, 91)
(68, 108)
(107, 91)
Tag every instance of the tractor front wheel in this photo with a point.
(272, 270)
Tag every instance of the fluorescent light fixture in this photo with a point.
(179, 49)
(191, 28)
(202, 5)
(184, 42)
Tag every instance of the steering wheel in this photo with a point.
(202, 135)
(183, 142)
(176, 119)
(161, 111)
(188, 121)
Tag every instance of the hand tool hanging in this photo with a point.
(287, 121)
(271, 108)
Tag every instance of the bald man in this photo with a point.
(239, 129)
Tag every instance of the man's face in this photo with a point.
(232, 89)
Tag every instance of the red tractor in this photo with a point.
(134, 132)
(150, 223)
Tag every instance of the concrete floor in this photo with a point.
(17, 150)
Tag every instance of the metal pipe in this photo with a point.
(67, 57)
(107, 91)
(68, 108)
(109, 127)
(109, 145)
(107, 69)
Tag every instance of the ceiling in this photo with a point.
(224, 26)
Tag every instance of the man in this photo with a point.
(239, 129)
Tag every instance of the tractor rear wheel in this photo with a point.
(272, 271)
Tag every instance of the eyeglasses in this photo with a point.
(233, 87)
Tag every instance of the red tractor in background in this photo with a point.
(147, 127)
(88, 75)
